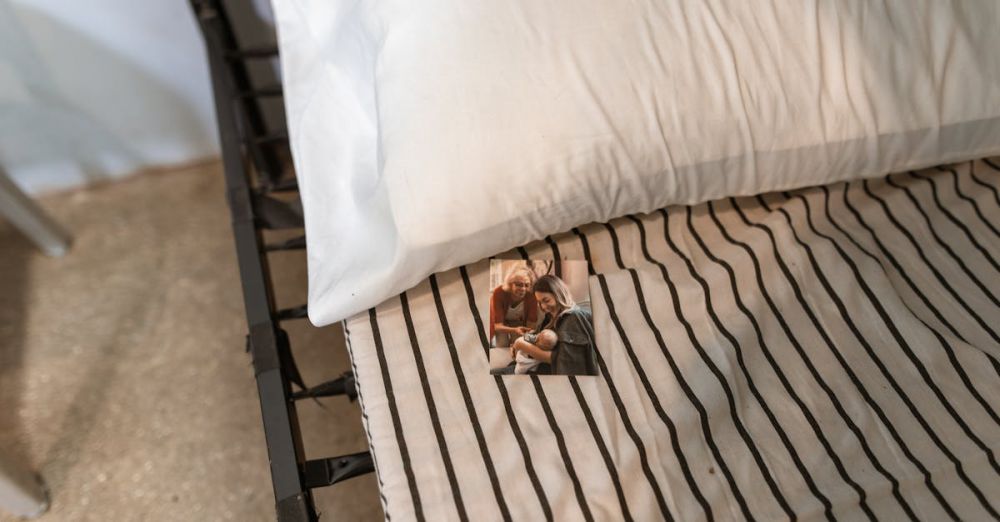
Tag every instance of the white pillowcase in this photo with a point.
(435, 133)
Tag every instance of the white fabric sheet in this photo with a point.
(827, 354)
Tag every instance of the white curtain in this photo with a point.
(98, 89)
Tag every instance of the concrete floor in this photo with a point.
(123, 379)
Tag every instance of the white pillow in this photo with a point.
(435, 133)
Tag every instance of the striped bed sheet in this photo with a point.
(825, 353)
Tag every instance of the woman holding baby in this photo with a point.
(566, 332)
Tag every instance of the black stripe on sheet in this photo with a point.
(955, 221)
(991, 188)
(996, 198)
(505, 398)
(869, 349)
(467, 398)
(950, 289)
(813, 371)
(967, 199)
(951, 217)
(623, 414)
(570, 469)
(470, 294)
(588, 415)
(904, 345)
(563, 450)
(992, 165)
(556, 258)
(934, 269)
(885, 253)
(949, 352)
(605, 455)
(432, 410)
(556, 430)
(646, 384)
(947, 248)
(364, 416)
(840, 358)
(404, 455)
(766, 350)
(703, 414)
(741, 361)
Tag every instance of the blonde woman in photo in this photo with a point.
(513, 309)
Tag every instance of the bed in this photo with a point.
(824, 353)
(783, 329)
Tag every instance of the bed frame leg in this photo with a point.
(22, 493)
(31, 220)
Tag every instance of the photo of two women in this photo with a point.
(540, 318)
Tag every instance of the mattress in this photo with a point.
(830, 352)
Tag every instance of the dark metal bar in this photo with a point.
(242, 133)
(276, 214)
(295, 243)
(343, 385)
(329, 471)
(267, 51)
(265, 161)
(270, 138)
(284, 185)
(292, 497)
(298, 312)
(261, 92)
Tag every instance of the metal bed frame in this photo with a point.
(262, 195)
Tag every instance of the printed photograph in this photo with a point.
(540, 318)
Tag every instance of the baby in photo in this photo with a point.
(545, 339)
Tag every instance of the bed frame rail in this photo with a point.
(253, 172)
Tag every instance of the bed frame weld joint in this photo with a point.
(331, 470)
(343, 385)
